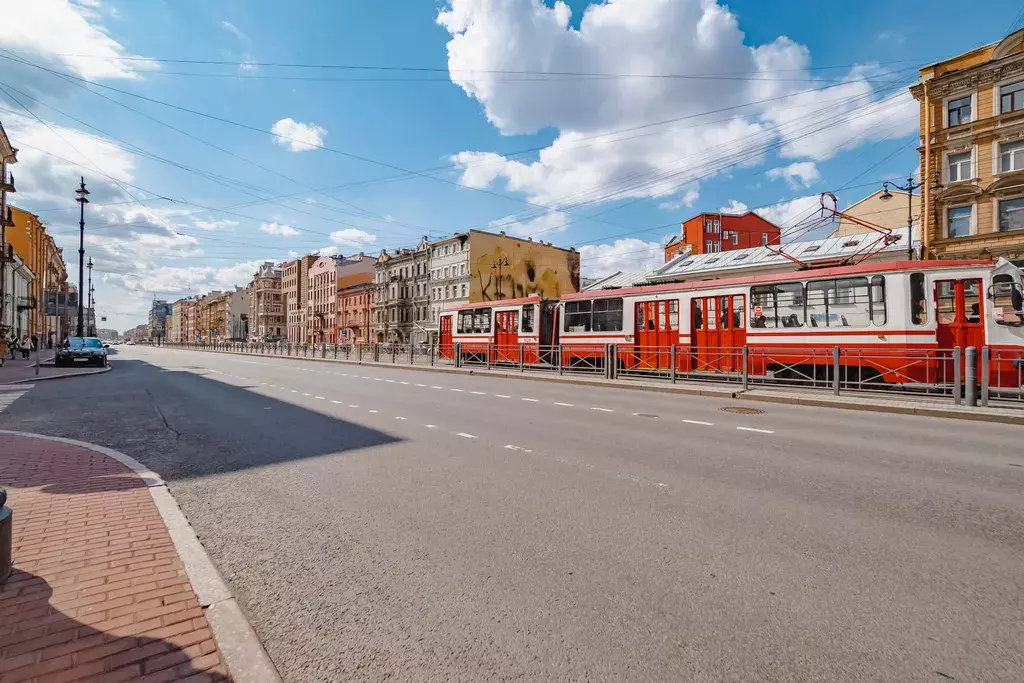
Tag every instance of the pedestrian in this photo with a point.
(49, 340)
(12, 345)
(35, 342)
(24, 345)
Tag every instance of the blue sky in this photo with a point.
(659, 109)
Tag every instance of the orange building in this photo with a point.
(28, 237)
(712, 232)
(354, 309)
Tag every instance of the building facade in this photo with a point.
(972, 152)
(266, 307)
(355, 308)
(18, 278)
(8, 156)
(322, 293)
(401, 294)
(159, 312)
(294, 275)
(708, 233)
(878, 210)
(236, 313)
(174, 323)
(28, 238)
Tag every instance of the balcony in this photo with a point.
(26, 302)
(7, 184)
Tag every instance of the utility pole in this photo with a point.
(92, 314)
(82, 199)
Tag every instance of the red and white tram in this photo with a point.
(879, 314)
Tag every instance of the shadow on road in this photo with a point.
(184, 424)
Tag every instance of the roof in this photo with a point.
(618, 280)
(810, 252)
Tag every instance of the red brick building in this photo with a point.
(355, 308)
(712, 232)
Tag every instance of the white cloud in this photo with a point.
(293, 254)
(543, 226)
(214, 224)
(249, 65)
(601, 260)
(228, 26)
(55, 30)
(352, 237)
(734, 207)
(279, 229)
(687, 200)
(800, 173)
(298, 137)
(328, 251)
(589, 161)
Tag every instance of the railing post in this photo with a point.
(394, 353)
(746, 368)
(487, 351)
(958, 388)
(520, 357)
(835, 370)
(458, 354)
(986, 353)
(559, 358)
(971, 375)
(376, 352)
(412, 356)
(614, 367)
(359, 353)
(673, 356)
(432, 349)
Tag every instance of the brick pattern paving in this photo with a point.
(98, 592)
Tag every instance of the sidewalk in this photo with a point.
(98, 591)
(25, 370)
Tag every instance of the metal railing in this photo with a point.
(985, 377)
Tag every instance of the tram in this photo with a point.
(890, 320)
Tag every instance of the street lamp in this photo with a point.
(82, 199)
(909, 189)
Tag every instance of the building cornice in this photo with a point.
(971, 78)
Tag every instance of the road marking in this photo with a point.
(374, 411)
(319, 397)
(464, 435)
(377, 379)
(501, 396)
(567, 405)
(294, 391)
(421, 385)
(352, 405)
(390, 381)
(399, 418)
(333, 401)
(429, 426)
(699, 422)
(517, 448)
(479, 393)
(403, 382)
(458, 390)
(531, 400)
(752, 429)
(304, 393)
(603, 410)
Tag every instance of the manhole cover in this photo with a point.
(742, 411)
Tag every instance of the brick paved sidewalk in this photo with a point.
(98, 591)
(25, 370)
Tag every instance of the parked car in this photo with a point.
(81, 350)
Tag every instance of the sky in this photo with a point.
(214, 135)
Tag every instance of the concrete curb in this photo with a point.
(725, 393)
(246, 659)
(40, 378)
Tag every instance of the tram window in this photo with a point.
(972, 301)
(577, 316)
(608, 315)
(673, 315)
(918, 304)
(465, 322)
(781, 305)
(839, 303)
(712, 313)
(698, 314)
(738, 312)
(725, 312)
(945, 293)
(1005, 295)
(528, 313)
(641, 315)
(877, 293)
(482, 321)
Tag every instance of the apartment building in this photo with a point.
(236, 313)
(972, 152)
(402, 294)
(266, 307)
(294, 276)
(322, 288)
(355, 308)
(708, 233)
(886, 209)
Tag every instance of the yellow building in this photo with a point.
(37, 249)
(886, 213)
(972, 144)
(503, 267)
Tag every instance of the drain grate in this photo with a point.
(740, 410)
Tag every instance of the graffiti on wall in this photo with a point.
(507, 268)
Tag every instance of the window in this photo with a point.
(972, 301)
(958, 221)
(1011, 97)
(945, 293)
(463, 290)
(698, 314)
(1011, 215)
(482, 321)
(608, 315)
(708, 246)
(777, 305)
(1007, 301)
(845, 302)
(959, 111)
(1011, 157)
(735, 238)
(528, 314)
(673, 314)
(959, 167)
(577, 316)
(764, 239)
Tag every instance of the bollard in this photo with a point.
(673, 364)
(986, 354)
(958, 387)
(971, 375)
(6, 537)
(746, 368)
(835, 370)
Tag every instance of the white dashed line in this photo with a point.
(479, 393)
(352, 405)
(698, 422)
(603, 410)
(531, 400)
(294, 391)
(421, 385)
(406, 383)
(517, 448)
(377, 379)
(457, 390)
(433, 387)
(399, 418)
(304, 393)
(374, 411)
(567, 405)
(501, 396)
(338, 402)
(429, 426)
(464, 435)
(390, 381)
(752, 429)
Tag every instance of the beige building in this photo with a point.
(294, 275)
(972, 143)
(886, 213)
(322, 293)
(401, 296)
(266, 308)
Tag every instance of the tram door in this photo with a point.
(506, 336)
(445, 347)
(718, 332)
(657, 329)
(958, 314)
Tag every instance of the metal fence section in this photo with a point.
(983, 376)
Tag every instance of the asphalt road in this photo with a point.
(392, 524)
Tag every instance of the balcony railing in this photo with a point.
(26, 302)
(7, 184)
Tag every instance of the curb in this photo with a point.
(97, 371)
(738, 394)
(246, 659)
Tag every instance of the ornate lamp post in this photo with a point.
(909, 188)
